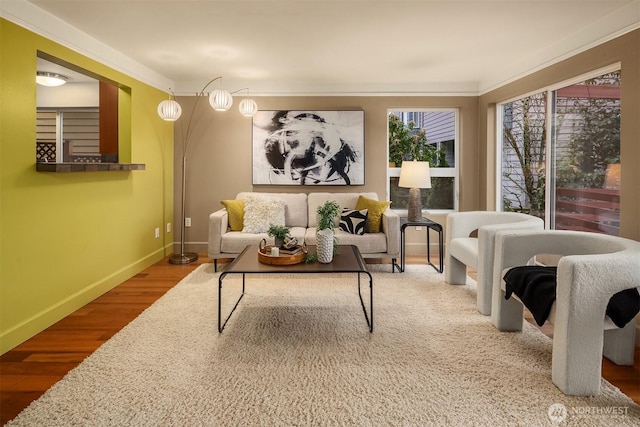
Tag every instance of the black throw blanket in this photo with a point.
(536, 288)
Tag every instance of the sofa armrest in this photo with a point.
(391, 228)
(218, 223)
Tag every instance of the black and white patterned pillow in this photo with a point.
(353, 221)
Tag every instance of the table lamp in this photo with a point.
(414, 175)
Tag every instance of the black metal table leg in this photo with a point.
(429, 245)
(438, 229)
(402, 248)
(441, 244)
(369, 317)
(220, 324)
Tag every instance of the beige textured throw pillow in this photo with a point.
(260, 212)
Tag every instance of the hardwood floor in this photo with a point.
(28, 370)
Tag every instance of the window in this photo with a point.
(68, 135)
(426, 135)
(567, 172)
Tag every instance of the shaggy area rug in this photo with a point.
(297, 351)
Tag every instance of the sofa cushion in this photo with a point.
(368, 243)
(295, 210)
(234, 242)
(344, 200)
(260, 212)
(352, 221)
(235, 210)
(374, 216)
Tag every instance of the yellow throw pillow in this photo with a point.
(374, 215)
(235, 210)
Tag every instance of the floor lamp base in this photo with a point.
(185, 258)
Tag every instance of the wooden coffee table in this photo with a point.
(347, 260)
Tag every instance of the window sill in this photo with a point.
(88, 167)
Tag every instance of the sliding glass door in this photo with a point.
(586, 167)
(560, 155)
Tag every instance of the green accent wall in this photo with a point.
(67, 238)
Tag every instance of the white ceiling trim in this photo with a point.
(26, 15)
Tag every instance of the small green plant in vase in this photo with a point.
(327, 214)
(278, 232)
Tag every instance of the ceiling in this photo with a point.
(348, 46)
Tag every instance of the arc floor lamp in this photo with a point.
(170, 110)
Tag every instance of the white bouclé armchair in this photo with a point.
(591, 269)
(461, 250)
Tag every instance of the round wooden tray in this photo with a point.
(265, 257)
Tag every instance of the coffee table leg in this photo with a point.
(368, 317)
(220, 324)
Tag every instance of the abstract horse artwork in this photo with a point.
(308, 148)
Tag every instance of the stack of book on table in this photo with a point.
(290, 252)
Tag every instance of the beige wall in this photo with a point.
(219, 153)
(624, 49)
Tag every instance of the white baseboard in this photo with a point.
(421, 248)
(197, 247)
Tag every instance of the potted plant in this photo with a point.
(325, 237)
(278, 232)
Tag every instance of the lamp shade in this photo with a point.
(220, 100)
(248, 107)
(45, 78)
(414, 174)
(169, 110)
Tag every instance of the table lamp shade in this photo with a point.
(414, 175)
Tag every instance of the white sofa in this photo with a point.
(592, 268)
(462, 250)
(301, 218)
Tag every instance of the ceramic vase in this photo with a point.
(324, 244)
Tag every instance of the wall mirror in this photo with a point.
(76, 116)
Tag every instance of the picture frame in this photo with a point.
(298, 147)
